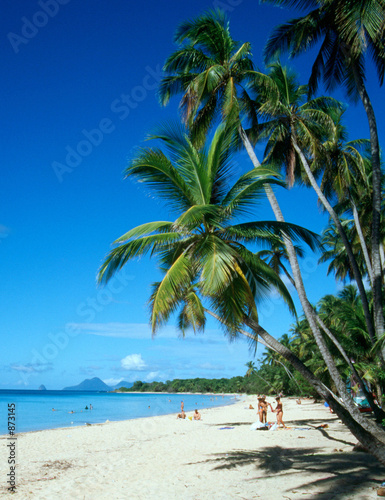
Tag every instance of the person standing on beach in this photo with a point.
(279, 411)
(264, 406)
(260, 409)
(181, 406)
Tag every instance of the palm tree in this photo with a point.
(213, 72)
(201, 242)
(293, 125)
(344, 314)
(202, 253)
(251, 368)
(356, 203)
(344, 175)
(273, 358)
(293, 130)
(207, 54)
(333, 316)
(276, 255)
(335, 251)
(347, 32)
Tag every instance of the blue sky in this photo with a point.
(78, 98)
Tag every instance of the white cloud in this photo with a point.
(287, 282)
(32, 368)
(141, 331)
(156, 376)
(133, 362)
(210, 366)
(112, 381)
(89, 370)
(122, 330)
(21, 382)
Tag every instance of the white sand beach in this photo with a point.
(216, 458)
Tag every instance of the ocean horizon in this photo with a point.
(37, 410)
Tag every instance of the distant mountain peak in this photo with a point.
(123, 383)
(93, 384)
(42, 388)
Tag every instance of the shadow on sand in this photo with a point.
(347, 473)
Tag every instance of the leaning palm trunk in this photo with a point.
(374, 442)
(290, 375)
(371, 277)
(378, 412)
(276, 347)
(376, 222)
(307, 308)
(382, 257)
(362, 242)
(349, 251)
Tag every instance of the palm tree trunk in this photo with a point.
(362, 241)
(290, 375)
(249, 148)
(353, 262)
(382, 259)
(307, 308)
(378, 412)
(374, 442)
(376, 221)
(289, 277)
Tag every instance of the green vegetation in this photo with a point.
(207, 253)
(249, 385)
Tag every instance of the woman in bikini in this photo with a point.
(279, 411)
(260, 409)
(264, 406)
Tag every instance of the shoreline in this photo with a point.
(219, 457)
(234, 399)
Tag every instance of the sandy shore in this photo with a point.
(216, 458)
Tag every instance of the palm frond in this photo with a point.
(120, 255)
(261, 230)
(147, 228)
(152, 168)
(167, 294)
(192, 314)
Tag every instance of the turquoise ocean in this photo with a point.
(33, 409)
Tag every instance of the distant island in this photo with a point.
(95, 384)
(42, 388)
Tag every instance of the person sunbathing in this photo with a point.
(197, 415)
(182, 414)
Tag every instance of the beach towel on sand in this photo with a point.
(257, 425)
